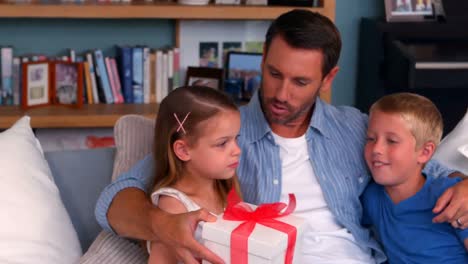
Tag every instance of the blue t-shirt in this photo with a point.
(406, 229)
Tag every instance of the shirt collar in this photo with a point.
(259, 126)
(319, 121)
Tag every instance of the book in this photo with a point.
(115, 77)
(16, 81)
(146, 75)
(159, 76)
(125, 65)
(89, 86)
(105, 91)
(152, 71)
(6, 55)
(165, 75)
(115, 93)
(170, 71)
(176, 75)
(137, 77)
(92, 75)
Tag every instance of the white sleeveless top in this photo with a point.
(189, 204)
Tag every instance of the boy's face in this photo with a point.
(390, 150)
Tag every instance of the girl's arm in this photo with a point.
(466, 244)
(159, 252)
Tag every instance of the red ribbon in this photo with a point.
(264, 214)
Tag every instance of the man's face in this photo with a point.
(291, 81)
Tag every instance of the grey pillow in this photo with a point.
(134, 137)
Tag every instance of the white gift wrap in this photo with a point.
(265, 245)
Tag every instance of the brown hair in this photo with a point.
(419, 113)
(202, 103)
(307, 30)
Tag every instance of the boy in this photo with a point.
(403, 132)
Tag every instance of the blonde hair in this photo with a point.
(419, 113)
(202, 103)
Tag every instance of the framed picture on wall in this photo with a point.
(67, 83)
(204, 76)
(409, 10)
(36, 84)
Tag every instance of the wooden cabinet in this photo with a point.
(103, 115)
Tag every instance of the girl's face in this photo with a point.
(215, 154)
(390, 151)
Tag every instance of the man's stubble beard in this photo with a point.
(294, 113)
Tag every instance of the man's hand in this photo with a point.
(176, 232)
(131, 214)
(453, 206)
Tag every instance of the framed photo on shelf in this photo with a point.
(409, 10)
(36, 84)
(67, 83)
(204, 76)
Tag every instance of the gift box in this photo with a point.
(271, 238)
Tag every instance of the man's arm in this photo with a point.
(125, 207)
(139, 177)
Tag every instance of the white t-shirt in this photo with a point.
(325, 241)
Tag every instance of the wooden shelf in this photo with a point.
(97, 115)
(103, 115)
(140, 9)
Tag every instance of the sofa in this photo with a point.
(79, 177)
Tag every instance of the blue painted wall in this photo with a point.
(53, 36)
(348, 16)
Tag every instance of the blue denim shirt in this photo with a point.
(335, 137)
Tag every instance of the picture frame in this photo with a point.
(67, 83)
(409, 10)
(36, 84)
(211, 77)
(243, 74)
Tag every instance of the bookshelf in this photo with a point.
(94, 115)
(103, 115)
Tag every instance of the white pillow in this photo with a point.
(34, 224)
(450, 150)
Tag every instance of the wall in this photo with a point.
(54, 36)
(348, 15)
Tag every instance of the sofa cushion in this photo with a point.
(134, 137)
(81, 175)
(34, 227)
(109, 248)
(450, 150)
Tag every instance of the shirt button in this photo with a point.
(275, 182)
(361, 179)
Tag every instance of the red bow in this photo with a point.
(264, 214)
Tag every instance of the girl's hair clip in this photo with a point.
(181, 124)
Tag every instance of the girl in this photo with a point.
(196, 155)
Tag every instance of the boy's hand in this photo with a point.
(176, 232)
(453, 206)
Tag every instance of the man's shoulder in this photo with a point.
(344, 112)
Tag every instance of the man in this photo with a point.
(292, 142)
